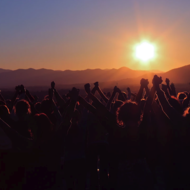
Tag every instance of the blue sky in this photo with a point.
(78, 34)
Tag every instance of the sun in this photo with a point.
(145, 51)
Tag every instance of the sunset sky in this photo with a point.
(79, 34)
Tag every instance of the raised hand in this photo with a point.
(20, 89)
(116, 89)
(87, 88)
(144, 82)
(173, 90)
(128, 93)
(74, 93)
(17, 88)
(128, 89)
(156, 81)
(96, 84)
(167, 81)
(23, 90)
(53, 85)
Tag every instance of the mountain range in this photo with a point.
(107, 77)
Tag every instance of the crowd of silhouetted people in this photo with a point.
(121, 140)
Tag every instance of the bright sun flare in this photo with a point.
(145, 51)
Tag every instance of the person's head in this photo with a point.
(46, 107)
(176, 104)
(181, 96)
(37, 107)
(23, 109)
(46, 97)
(129, 112)
(44, 127)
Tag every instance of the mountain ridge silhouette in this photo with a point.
(122, 76)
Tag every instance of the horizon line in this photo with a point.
(96, 69)
(87, 69)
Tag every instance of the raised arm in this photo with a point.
(29, 95)
(88, 106)
(111, 98)
(93, 91)
(129, 93)
(21, 92)
(149, 101)
(173, 90)
(17, 91)
(146, 88)
(168, 86)
(58, 97)
(122, 96)
(108, 123)
(143, 84)
(92, 97)
(103, 96)
(145, 129)
(185, 103)
(165, 89)
(58, 116)
(166, 107)
(147, 109)
(99, 106)
(70, 109)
